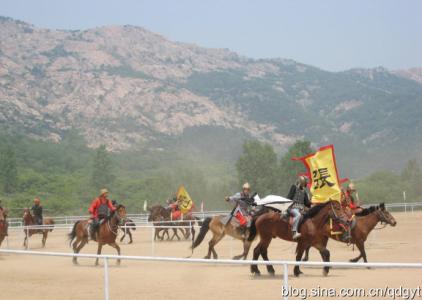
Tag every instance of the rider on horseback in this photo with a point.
(176, 213)
(37, 211)
(99, 209)
(300, 199)
(348, 202)
(243, 202)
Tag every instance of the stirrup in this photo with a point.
(296, 235)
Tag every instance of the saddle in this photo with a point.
(339, 231)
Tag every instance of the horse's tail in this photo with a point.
(202, 232)
(252, 231)
(72, 234)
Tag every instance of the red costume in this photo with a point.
(93, 209)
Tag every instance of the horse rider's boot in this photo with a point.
(296, 235)
(93, 230)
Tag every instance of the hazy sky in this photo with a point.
(333, 35)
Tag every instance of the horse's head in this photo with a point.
(120, 213)
(384, 215)
(26, 214)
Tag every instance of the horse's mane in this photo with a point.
(367, 211)
(313, 211)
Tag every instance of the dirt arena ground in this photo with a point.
(32, 277)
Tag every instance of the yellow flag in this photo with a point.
(322, 170)
(184, 201)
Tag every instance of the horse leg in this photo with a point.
(325, 253)
(264, 254)
(215, 241)
(175, 234)
(44, 238)
(246, 247)
(115, 246)
(256, 254)
(25, 242)
(77, 249)
(356, 259)
(130, 236)
(124, 234)
(300, 248)
(100, 246)
(361, 247)
(306, 258)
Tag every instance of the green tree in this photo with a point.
(102, 175)
(411, 177)
(288, 168)
(9, 170)
(258, 166)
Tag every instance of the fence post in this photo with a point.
(106, 293)
(152, 240)
(286, 281)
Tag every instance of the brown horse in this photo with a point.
(312, 229)
(127, 226)
(365, 223)
(28, 220)
(107, 233)
(161, 216)
(219, 230)
(3, 224)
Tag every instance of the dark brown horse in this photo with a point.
(28, 220)
(107, 233)
(3, 224)
(127, 226)
(161, 217)
(312, 229)
(365, 223)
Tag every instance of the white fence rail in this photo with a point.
(285, 264)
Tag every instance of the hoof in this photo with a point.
(207, 257)
(325, 272)
(272, 274)
(237, 257)
(255, 273)
(297, 272)
(118, 263)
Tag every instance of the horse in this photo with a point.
(28, 220)
(3, 225)
(161, 216)
(312, 229)
(128, 225)
(219, 229)
(365, 223)
(107, 233)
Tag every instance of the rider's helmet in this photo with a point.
(103, 192)
(351, 187)
(37, 201)
(246, 188)
(302, 181)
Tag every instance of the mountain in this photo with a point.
(133, 89)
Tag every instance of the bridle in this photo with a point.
(120, 221)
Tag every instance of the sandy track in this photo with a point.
(30, 277)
